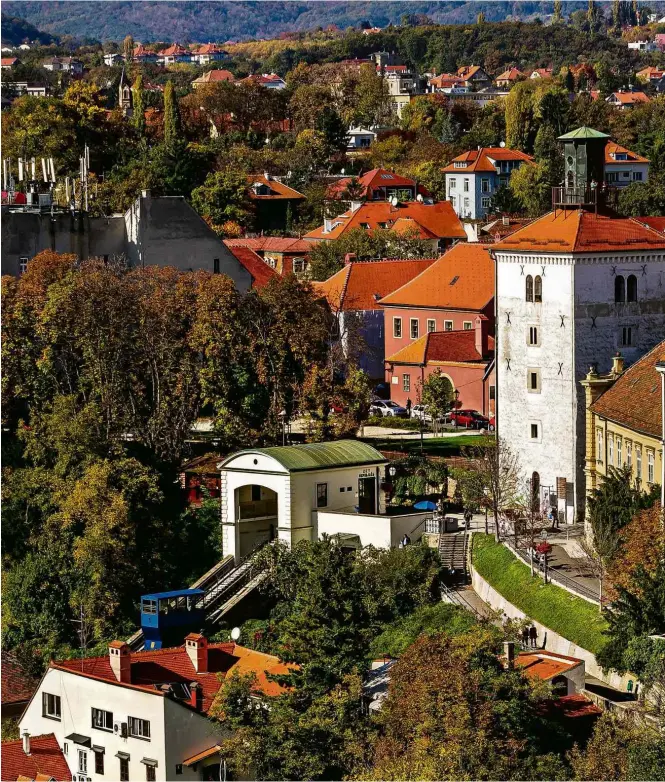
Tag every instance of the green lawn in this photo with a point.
(572, 617)
(432, 446)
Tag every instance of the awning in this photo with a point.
(100, 750)
(202, 755)
(122, 755)
(149, 762)
(77, 738)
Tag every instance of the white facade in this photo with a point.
(360, 138)
(623, 172)
(176, 732)
(261, 499)
(545, 348)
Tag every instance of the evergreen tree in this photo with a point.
(138, 115)
(170, 115)
(557, 16)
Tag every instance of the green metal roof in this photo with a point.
(317, 456)
(583, 133)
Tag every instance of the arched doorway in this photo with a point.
(256, 517)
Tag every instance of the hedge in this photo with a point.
(572, 617)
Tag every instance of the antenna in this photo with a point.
(235, 633)
(82, 632)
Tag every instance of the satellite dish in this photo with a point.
(235, 633)
(502, 144)
(394, 201)
(343, 171)
(419, 198)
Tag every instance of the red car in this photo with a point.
(469, 419)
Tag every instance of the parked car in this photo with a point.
(387, 408)
(470, 419)
(420, 411)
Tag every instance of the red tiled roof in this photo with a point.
(214, 76)
(481, 159)
(582, 232)
(611, 148)
(545, 665)
(17, 685)
(443, 347)
(8, 60)
(633, 400)
(445, 80)
(158, 666)
(512, 74)
(657, 223)
(543, 73)
(438, 218)
(255, 265)
(277, 244)
(575, 706)
(462, 279)
(467, 71)
(628, 98)
(372, 180)
(650, 73)
(207, 48)
(173, 51)
(279, 189)
(45, 758)
(360, 284)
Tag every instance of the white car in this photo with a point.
(386, 409)
(420, 411)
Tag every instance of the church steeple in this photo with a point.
(125, 97)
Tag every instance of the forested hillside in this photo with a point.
(203, 21)
(16, 30)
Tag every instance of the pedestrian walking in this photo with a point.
(467, 518)
(405, 540)
(408, 407)
(533, 636)
(525, 637)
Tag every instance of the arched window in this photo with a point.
(631, 288)
(535, 491)
(529, 288)
(619, 289)
(538, 288)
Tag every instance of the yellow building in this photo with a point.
(624, 420)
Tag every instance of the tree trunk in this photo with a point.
(496, 524)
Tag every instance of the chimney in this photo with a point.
(350, 258)
(119, 657)
(509, 651)
(196, 696)
(617, 364)
(26, 742)
(482, 335)
(197, 651)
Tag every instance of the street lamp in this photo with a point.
(282, 418)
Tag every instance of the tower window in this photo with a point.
(533, 381)
(538, 289)
(529, 288)
(631, 288)
(620, 289)
(627, 336)
(532, 337)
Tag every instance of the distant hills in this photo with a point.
(16, 30)
(160, 20)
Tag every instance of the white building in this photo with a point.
(623, 167)
(301, 492)
(142, 715)
(114, 58)
(573, 287)
(643, 46)
(360, 138)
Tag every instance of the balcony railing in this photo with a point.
(577, 195)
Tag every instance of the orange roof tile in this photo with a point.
(445, 80)
(612, 148)
(208, 48)
(545, 665)
(577, 231)
(45, 759)
(512, 74)
(633, 400)
(462, 278)
(173, 51)
(657, 223)
(481, 159)
(372, 180)
(277, 244)
(278, 189)
(629, 98)
(214, 76)
(255, 265)
(575, 706)
(361, 284)
(442, 347)
(206, 753)
(438, 218)
(153, 667)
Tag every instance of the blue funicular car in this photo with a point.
(167, 617)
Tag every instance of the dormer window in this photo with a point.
(459, 164)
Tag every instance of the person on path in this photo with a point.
(525, 637)
(408, 407)
(533, 636)
(405, 540)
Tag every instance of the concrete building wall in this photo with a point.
(187, 733)
(78, 695)
(377, 531)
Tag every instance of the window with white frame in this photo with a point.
(466, 185)
(638, 462)
(453, 201)
(610, 450)
(484, 185)
(406, 382)
(447, 325)
(139, 728)
(485, 202)
(599, 446)
(431, 324)
(467, 325)
(102, 720)
(415, 328)
(397, 328)
(637, 176)
(51, 706)
(619, 444)
(467, 203)
(83, 762)
(298, 265)
(650, 466)
(453, 183)
(629, 455)
(23, 265)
